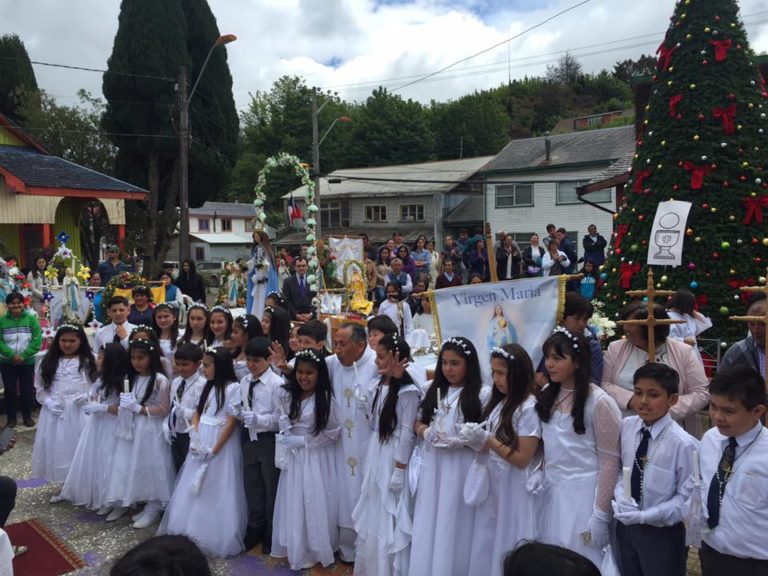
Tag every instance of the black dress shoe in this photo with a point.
(28, 422)
(251, 540)
(266, 548)
(11, 423)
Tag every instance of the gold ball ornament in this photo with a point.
(664, 278)
(696, 137)
(765, 241)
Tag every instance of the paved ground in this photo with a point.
(100, 543)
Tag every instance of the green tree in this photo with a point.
(473, 125)
(626, 70)
(703, 142)
(566, 71)
(18, 85)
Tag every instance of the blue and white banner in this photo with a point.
(490, 315)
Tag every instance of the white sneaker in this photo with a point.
(149, 516)
(116, 514)
(55, 498)
(139, 514)
(104, 510)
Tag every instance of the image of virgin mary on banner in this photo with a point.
(493, 314)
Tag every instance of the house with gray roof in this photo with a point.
(536, 181)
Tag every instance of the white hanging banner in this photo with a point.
(344, 250)
(665, 246)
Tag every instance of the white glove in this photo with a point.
(599, 528)
(132, 405)
(188, 413)
(624, 506)
(126, 399)
(235, 410)
(205, 455)
(474, 436)
(292, 441)
(249, 418)
(452, 442)
(80, 400)
(397, 480)
(535, 482)
(94, 408)
(167, 434)
(284, 423)
(54, 407)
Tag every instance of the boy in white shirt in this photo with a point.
(734, 470)
(185, 394)
(260, 413)
(119, 329)
(650, 533)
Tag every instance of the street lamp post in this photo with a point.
(316, 141)
(184, 101)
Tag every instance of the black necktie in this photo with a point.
(719, 480)
(116, 338)
(639, 465)
(179, 394)
(250, 392)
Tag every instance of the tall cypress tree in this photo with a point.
(702, 141)
(18, 85)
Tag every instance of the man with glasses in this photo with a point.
(112, 266)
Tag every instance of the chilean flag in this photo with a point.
(294, 212)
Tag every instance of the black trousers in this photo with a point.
(179, 449)
(7, 498)
(651, 550)
(22, 375)
(261, 477)
(714, 563)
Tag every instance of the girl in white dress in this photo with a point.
(142, 468)
(397, 309)
(442, 522)
(208, 503)
(220, 322)
(305, 526)
(682, 307)
(86, 482)
(244, 328)
(197, 329)
(165, 323)
(383, 514)
(144, 332)
(512, 434)
(580, 429)
(62, 384)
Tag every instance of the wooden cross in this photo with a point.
(651, 322)
(764, 318)
(489, 245)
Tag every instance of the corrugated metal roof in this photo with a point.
(618, 168)
(44, 171)
(239, 209)
(424, 178)
(591, 146)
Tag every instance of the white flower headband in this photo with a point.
(568, 334)
(503, 353)
(461, 344)
(220, 308)
(68, 326)
(144, 343)
(308, 354)
(142, 328)
(200, 306)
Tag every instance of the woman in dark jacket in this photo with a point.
(478, 259)
(190, 282)
(508, 259)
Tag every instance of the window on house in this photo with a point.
(203, 224)
(375, 213)
(412, 213)
(226, 225)
(566, 194)
(334, 214)
(512, 195)
(199, 254)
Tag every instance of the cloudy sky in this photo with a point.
(352, 46)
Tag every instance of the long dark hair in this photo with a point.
(279, 327)
(279, 300)
(684, 301)
(114, 368)
(224, 373)
(152, 350)
(388, 417)
(174, 327)
(519, 388)
(227, 315)
(469, 400)
(50, 362)
(192, 269)
(249, 324)
(576, 347)
(187, 336)
(323, 390)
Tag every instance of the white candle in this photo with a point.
(126, 386)
(696, 466)
(627, 482)
(438, 398)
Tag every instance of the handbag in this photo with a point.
(476, 484)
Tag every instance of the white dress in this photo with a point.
(442, 522)
(241, 369)
(57, 436)
(306, 509)
(382, 518)
(86, 483)
(692, 327)
(215, 517)
(142, 469)
(508, 515)
(572, 465)
(168, 352)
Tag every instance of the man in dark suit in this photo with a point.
(297, 293)
(594, 246)
(448, 278)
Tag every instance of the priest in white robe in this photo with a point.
(351, 369)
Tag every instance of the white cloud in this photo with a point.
(369, 42)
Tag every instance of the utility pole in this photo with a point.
(183, 162)
(316, 160)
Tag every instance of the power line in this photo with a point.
(85, 69)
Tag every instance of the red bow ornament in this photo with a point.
(621, 231)
(754, 208)
(721, 48)
(673, 103)
(726, 115)
(697, 174)
(640, 179)
(665, 55)
(626, 271)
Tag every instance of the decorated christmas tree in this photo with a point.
(702, 141)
